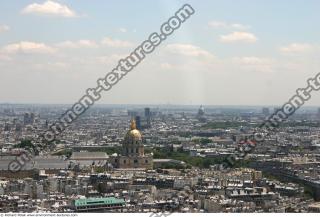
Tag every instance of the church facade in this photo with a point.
(133, 155)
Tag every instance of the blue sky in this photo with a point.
(228, 53)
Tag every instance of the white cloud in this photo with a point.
(295, 48)
(4, 28)
(116, 43)
(222, 24)
(188, 50)
(28, 47)
(238, 37)
(77, 44)
(49, 8)
(123, 30)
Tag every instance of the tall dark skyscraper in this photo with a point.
(138, 122)
(147, 114)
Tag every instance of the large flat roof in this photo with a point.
(98, 201)
(89, 156)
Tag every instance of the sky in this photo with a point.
(240, 52)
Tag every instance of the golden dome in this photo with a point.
(133, 133)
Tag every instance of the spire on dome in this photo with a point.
(133, 125)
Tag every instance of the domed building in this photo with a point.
(201, 114)
(201, 111)
(133, 151)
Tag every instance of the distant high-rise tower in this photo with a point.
(25, 118)
(32, 118)
(147, 114)
(138, 122)
(265, 111)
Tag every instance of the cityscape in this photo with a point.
(159, 108)
(158, 159)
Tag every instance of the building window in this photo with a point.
(135, 161)
(137, 150)
(116, 160)
(124, 161)
(146, 161)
